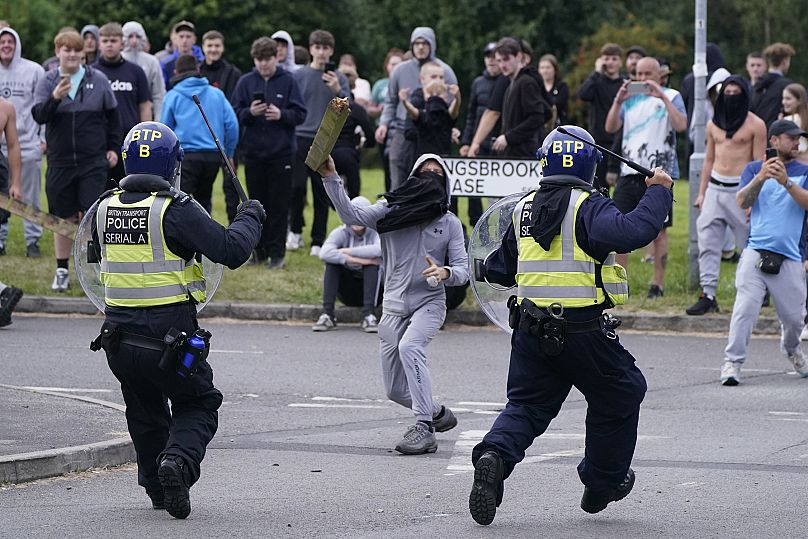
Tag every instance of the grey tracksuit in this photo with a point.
(412, 311)
(18, 85)
(719, 213)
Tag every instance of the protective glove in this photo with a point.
(254, 209)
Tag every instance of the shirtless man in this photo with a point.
(735, 137)
(10, 171)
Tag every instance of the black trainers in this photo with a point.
(486, 493)
(705, 304)
(176, 497)
(655, 292)
(32, 250)
(595, 502)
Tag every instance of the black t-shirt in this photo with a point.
(131, 88)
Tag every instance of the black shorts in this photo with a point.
(628, 192)
(71, 190)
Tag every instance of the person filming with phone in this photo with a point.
(650, 116)
(775, 191)
(269, 106)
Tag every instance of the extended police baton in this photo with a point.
(639, 168)
(237, 184)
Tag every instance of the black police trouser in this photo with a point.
(270, 182)
(186, 430)
(301, 173)
(603, 371)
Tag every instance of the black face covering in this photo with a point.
(731, 110)
(420, 199)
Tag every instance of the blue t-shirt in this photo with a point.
(778, 222)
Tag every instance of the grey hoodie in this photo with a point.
(17, 84)
(288, 64)
(148, 62)
(408, 75)
(404, 251)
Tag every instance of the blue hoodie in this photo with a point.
(181, 114)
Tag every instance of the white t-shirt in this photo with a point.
(648, 136)
(361, 89)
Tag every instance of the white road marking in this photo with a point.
(788, 419)
(67, 389)
(786, 413)
(316, 405)
(343, 399)
(460, 462)
(477, 403)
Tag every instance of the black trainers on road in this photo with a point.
(595, 502)
(446, 421)
(486, 493)
(704, 305)
(177, 498)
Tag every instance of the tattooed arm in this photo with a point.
(747, 196)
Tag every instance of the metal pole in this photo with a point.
(699, 122)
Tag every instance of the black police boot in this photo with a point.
(704, 305)
(157, 497)
(177, 498)
(486, 493)
(595, 502)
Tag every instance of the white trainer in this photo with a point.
(731, 373)
(315, 250)
(293, 241)
(61, 281)
(797, 359)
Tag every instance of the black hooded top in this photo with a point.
(767, 96)
(731, 110)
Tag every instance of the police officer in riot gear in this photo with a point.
(149, 237)
(559, 253)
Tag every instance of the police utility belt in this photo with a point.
(550, 326)
(180, 353)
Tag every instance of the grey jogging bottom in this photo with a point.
(787, 290)
(719, 212)
(402, 347)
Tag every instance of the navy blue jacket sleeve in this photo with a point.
(602, 228)
(189, 230)
(500, 265)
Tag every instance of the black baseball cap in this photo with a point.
(490, 47)
(637, 49)
(786, 127)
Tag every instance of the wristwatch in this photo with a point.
(788, 185)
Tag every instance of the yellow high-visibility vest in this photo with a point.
(565, 274)
(137, 267)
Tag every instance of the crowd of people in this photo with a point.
(77, 106)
